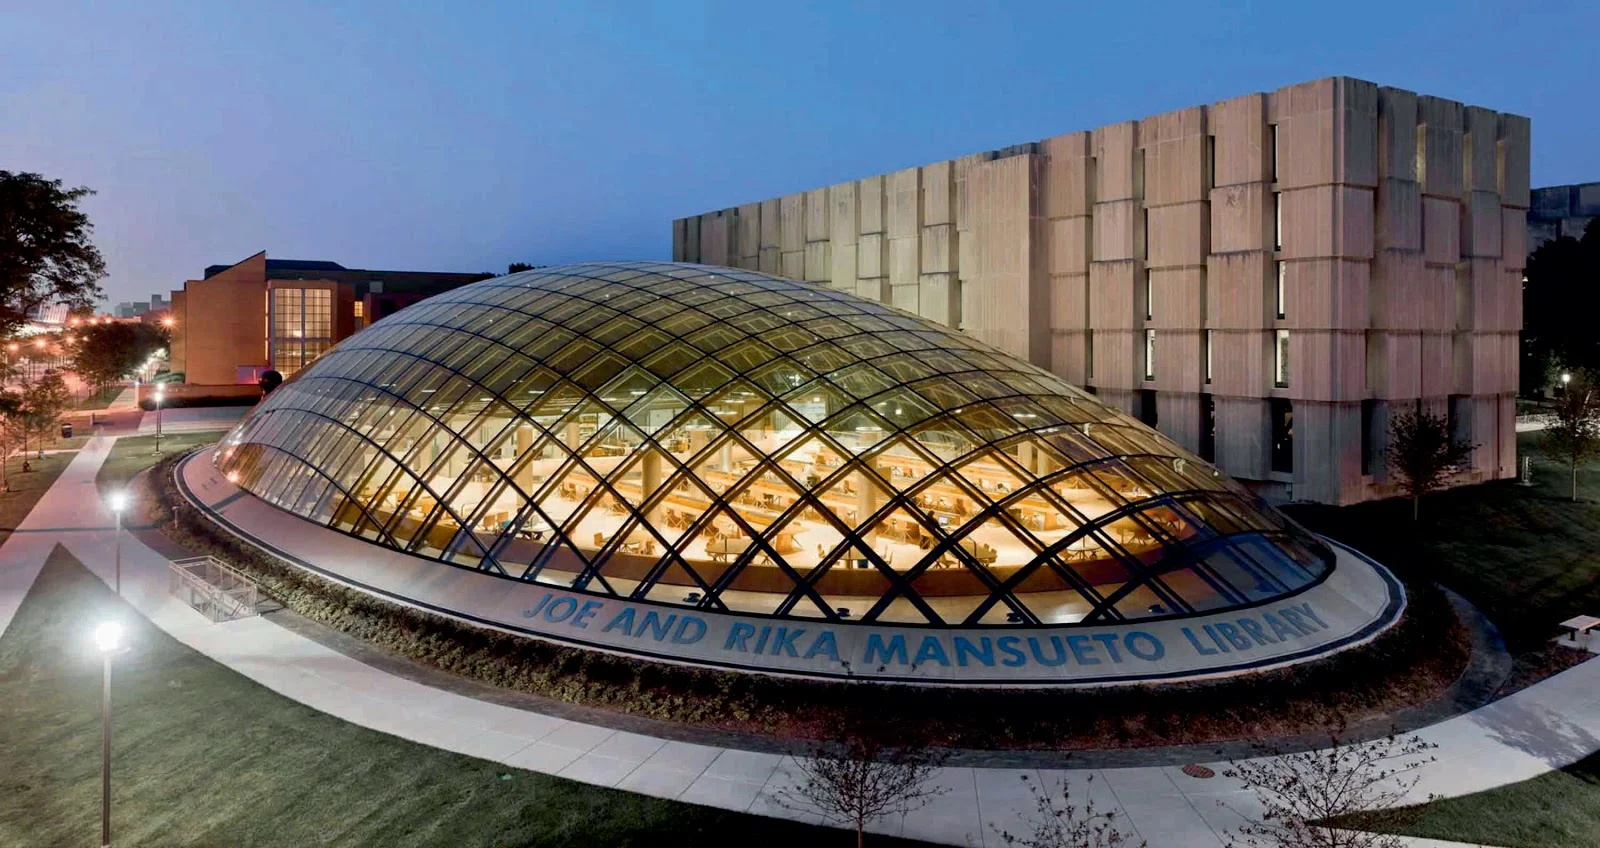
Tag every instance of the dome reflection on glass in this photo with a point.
(724, 439)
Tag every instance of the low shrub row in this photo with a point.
(1411, 664)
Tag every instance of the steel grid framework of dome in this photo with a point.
(731, 441)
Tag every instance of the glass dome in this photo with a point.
(732, 441)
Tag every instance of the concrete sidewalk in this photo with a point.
(193, 419)
(1545, 726)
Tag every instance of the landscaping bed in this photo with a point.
(1410, 665)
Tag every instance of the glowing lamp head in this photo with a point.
(118, 501)
(1565, 379)
(108, 637)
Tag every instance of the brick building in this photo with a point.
(240, 320)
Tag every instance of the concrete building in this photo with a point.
(1562, 211)
(1264, 279)
(240, 320)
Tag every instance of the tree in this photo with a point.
(1574, 431)
(519, 267)
(43, 401)
(1557, 300)
(109, 353)
(12, 429)
(268, 381)
(45, 252)
(1422, 453)
(1067, 825)
(1300, 792)
(856, 779)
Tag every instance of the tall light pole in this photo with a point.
(161, 391)
(108, 638)
(118, 502)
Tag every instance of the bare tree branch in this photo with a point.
(1066, 824)
(1301, 792)
(855, 779)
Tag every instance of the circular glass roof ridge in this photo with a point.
(730, 441)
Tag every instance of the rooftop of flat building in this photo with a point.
(1565, 201)
(320, 269)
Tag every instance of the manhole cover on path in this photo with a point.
(1199, 771)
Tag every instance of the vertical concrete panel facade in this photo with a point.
(1264, 278)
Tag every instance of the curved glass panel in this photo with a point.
(724, 439)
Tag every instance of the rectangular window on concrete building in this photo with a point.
(1369, 411)
(1459, 420)
(1208, 357)
(1277, 218)
(1088, 358)
(1149, 354)
(1280, 360)
(1422, 157)
(1283, 283)
(1147, 407)
(1211, 162)
(1149, 304)
(1208, 428)
(1281, 414)
(1272, 145)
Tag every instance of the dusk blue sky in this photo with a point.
(463, 136)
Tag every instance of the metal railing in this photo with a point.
(212, 588)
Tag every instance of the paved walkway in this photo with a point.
(125, 400)
(1532, 423)
(193, 419)
(1545, 726)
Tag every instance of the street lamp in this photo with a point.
(161, 392)
(108, 638)
(118, 502)
(1565, 378)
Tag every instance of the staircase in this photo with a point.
(212, 588)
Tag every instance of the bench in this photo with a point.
(1580, 631)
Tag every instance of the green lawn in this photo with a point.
(204, 756)
(133, 454)
(99, 398)
(1560, 809)
(27, 487)
(1528, 557)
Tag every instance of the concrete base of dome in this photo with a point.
(1356, 602)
